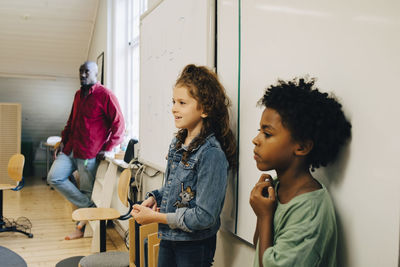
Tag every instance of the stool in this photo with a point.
(70, 262)
(10, 258)
(105, 259)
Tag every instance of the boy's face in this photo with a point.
(274, 147)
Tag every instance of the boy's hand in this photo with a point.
(263, 205)
(142, 214)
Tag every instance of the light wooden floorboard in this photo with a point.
(50, 215)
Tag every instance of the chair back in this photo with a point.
(123, 186)
(16, 167)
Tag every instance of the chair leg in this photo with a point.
(102, 235)
(14, 229)
(3, 227)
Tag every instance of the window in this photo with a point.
(137, 9)
(124, 50)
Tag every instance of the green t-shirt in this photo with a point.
(305, 232)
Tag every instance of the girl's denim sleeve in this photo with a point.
(210, 194)
(157, 194)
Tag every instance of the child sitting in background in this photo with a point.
(300, 128)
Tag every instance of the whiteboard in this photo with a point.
(352, 47)
(172, 34)
(227, 68)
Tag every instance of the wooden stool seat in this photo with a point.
(6, 186)
(95, 214)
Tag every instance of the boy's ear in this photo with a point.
(304, 147)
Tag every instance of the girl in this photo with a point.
(299, 128)
(192, 197)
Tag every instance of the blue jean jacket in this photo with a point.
(193, 193)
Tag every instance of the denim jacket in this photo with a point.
(193, 193)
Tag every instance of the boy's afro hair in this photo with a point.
(310, 115)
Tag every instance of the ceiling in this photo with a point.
(45, 38)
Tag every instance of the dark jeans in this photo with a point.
(199, 253)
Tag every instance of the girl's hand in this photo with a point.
(150, 203)
(263, 206)
(143, 215)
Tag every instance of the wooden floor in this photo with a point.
(50, 215)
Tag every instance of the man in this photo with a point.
(95, 126)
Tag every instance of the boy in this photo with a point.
(300, 128)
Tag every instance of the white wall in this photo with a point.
(352, 50)
(232, 251)
(46, 104)
(100, 37)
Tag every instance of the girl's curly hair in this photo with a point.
(310, 116)
(203, 85)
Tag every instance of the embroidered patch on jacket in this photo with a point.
(185, 195)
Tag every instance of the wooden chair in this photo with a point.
(104, 214)
(15, 169)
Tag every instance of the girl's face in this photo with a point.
(186, 112)
(274, 147)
